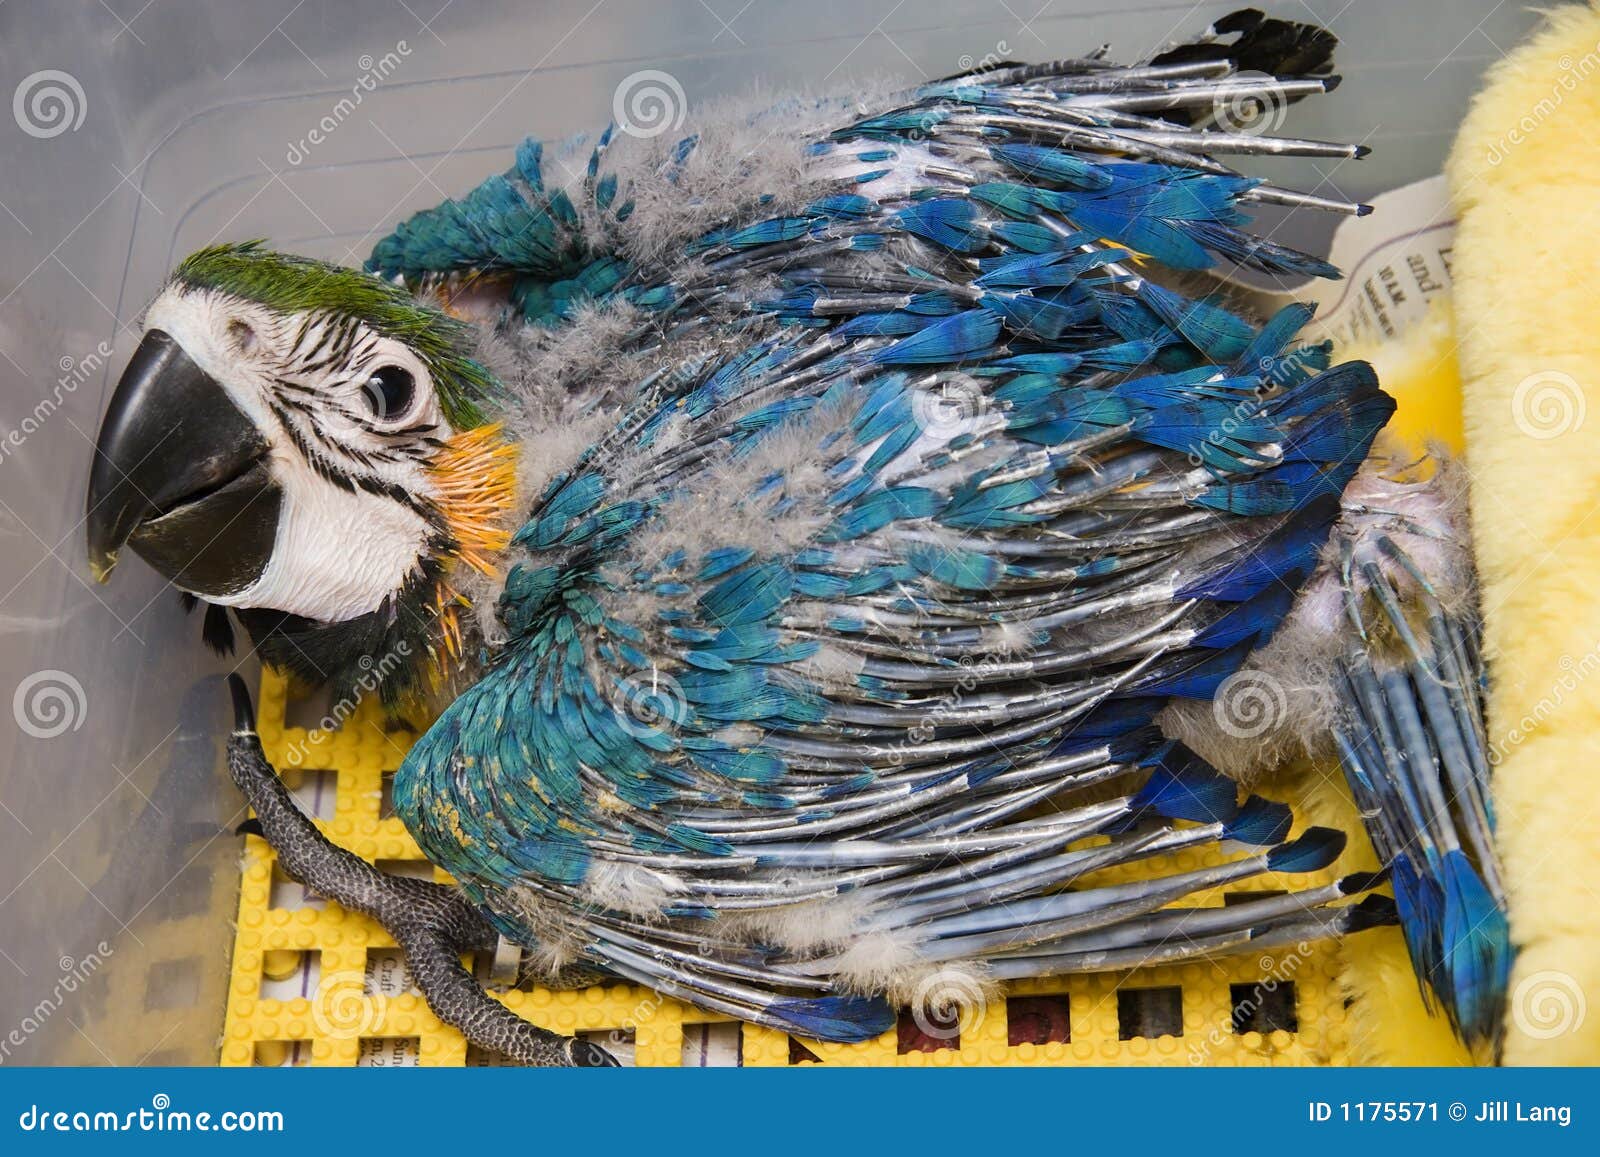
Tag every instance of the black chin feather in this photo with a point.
(216, 630)
(388, 648)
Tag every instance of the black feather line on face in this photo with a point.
(319, 461)
(341, 332)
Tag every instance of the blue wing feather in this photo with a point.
(962, 499)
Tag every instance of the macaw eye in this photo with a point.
(389, 392)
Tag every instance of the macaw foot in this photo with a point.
(433, 924)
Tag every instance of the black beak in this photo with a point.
(181, 475)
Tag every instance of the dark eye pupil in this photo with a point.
(390, 391)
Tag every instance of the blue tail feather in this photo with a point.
(1260, 822)
(1183, 786)
(1314, 850)
(1477, 949)
(843, 1019)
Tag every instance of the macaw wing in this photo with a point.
(564, 227)
(837, 645)
(933, 505)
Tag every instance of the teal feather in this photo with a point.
(901, 437)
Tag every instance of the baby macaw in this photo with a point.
(802, 525)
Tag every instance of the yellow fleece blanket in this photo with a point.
(1525, 178)
(1503, 371)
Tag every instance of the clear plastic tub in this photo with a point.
(142, 131)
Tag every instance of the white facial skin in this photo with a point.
(304, 381)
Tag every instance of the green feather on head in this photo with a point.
(296, 284)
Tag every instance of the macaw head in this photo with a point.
(300, 440)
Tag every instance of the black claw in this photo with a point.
(250, 827)
(244, 713)
(585, 1055)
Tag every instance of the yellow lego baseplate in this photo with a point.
(314, 984)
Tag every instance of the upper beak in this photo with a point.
(181, 474)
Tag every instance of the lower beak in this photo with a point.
(181, 475)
